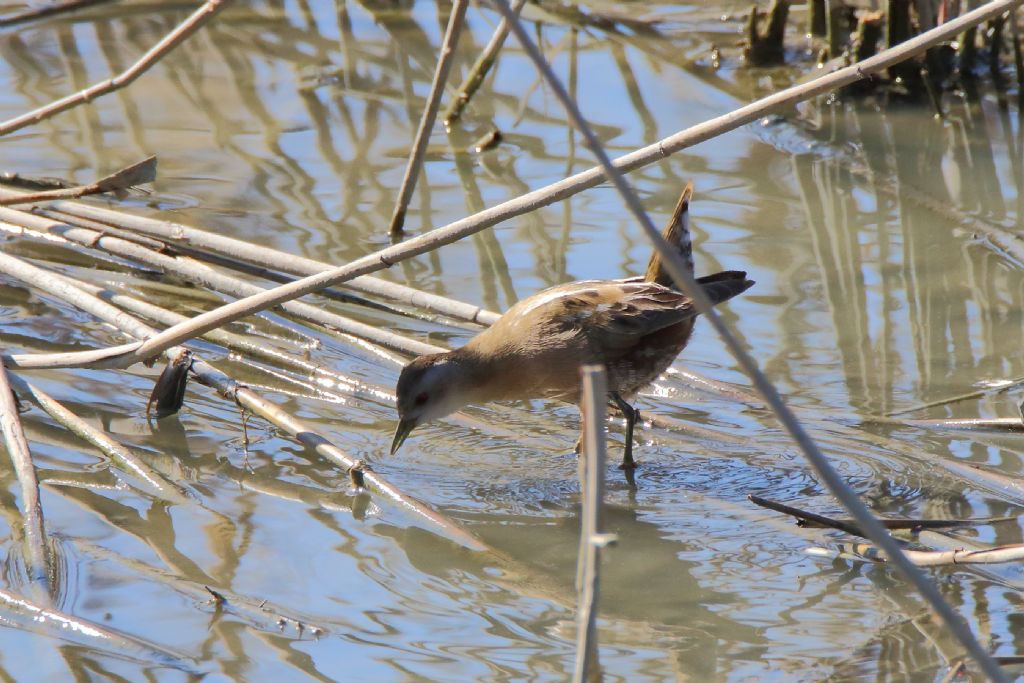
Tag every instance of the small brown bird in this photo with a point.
(634, 327)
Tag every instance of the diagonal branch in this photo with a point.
(194, 22)
(676, 267)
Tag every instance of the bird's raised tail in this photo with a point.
(725, 285)
(677, 234)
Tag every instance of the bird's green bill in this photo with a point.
(404, 427)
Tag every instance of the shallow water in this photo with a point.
(287, 124)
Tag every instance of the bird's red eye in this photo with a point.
(421, 398)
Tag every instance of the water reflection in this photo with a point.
(288, 124)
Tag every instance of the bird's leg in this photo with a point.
(632, 415)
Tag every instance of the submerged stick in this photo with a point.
(481, 67)
(592, 540)
(684, 279)
(811, 520)
(26, 615)
(38, 555)
(192, 24)
(419, 147)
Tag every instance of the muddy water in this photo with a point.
(288, 125)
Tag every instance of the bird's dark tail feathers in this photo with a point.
(725, 285)
(676, 233)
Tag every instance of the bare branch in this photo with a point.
(157, 52)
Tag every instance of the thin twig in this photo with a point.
(419, 148)
(195, 21)
(136, 174)
(478, 72)
(592, 540)
(676, 267)
(38, 554)
(978, 393)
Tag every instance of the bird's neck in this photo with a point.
(477, 378)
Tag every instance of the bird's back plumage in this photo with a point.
(635, 329)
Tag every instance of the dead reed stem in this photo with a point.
(481, 67)
(933, 558)
(37, 550)
(63, 289)
(130, 354)
(592, 540)
(201, 274)
(263, 256)
(684, 279)
(194, 22)
(419, 148)
(155, 482)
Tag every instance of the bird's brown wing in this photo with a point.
(610, 318)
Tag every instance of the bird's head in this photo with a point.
(428, 388)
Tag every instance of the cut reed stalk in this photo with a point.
(592, 539)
